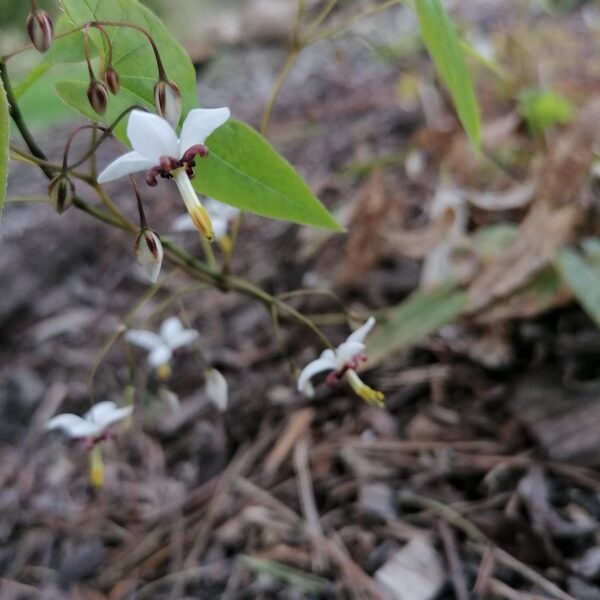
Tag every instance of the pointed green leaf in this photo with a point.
(4, 154)
(582, 275)
(443, 44)
(245, 171)
(422, 314)
(242, 168)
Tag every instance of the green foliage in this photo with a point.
(66, 49)
(242, 169)
(582, 274)
(542, 109)
(422, 314)
(443, 44)
(4, 152)
(132, 54)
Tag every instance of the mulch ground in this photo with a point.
(478, 479)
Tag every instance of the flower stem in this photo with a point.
(17, 117)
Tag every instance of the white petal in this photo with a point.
(159, 356)
(74, 426)
(221, 210)
(182, 338)
(220, 227)
(132, 162)
(144, 339)
(347, 351)
(104, 414)
(361, 333)
(216, 389)
(324, 363)
(169, 327)
(183, 223)
(199, 124)
(151, 135)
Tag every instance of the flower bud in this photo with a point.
(112, 80)
(62, 192)
(149, 252)
(168, 101)
(40, 30)
(98, 96)
(216, 389)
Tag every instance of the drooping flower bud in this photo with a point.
(112, 80)
(167, 99)
(149, 252)
(40, 29)
(98, 96)
(62, 191)
(216, 388)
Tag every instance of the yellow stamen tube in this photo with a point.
(368, 394)
(96, 467)
(199, 214)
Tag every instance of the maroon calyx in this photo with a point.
(169, 163)
(353, 363)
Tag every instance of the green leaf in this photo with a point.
(74, 93)
(422, 314)
(579, 274)
(243, 169)
(442, 42)
(4, 153)
(67, 49)
(133, 57)
(542, 109)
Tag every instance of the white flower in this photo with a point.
(216, 388)
(157, 150)
(161, 346)
(342, 362)
(94, 423)
(221, 216)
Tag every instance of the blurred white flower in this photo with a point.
(171, 336)
(221, 215)
(342, 362)
(216, 388)
(93, 425)
(157, 150)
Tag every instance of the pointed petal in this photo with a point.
(161, 355)
(182, 338)
(199, 124)
(132, 162)
(144, 339)
(311, 369)
(151, 135)
(73, 426)
(347, 351)
(104, 414)
(169, 327)
(216, 389)
(361, 333)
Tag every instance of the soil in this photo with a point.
(479, 479)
